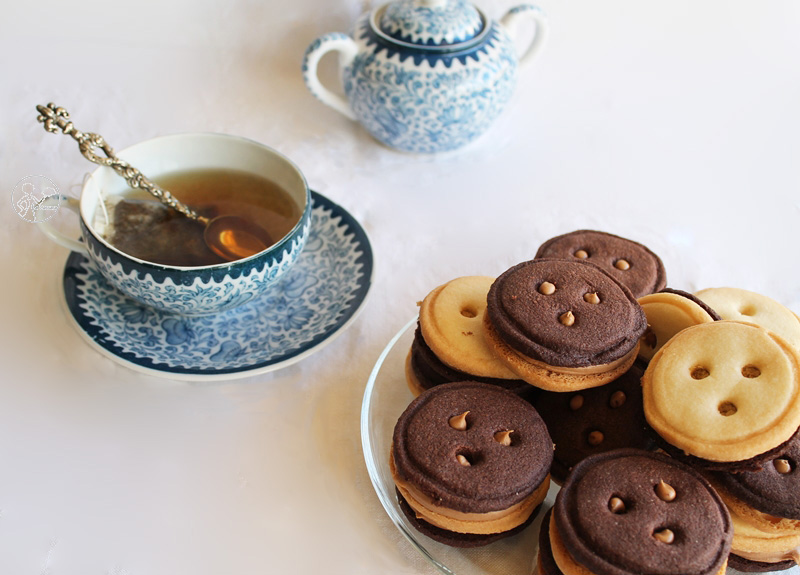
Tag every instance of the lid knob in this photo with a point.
(431, 22)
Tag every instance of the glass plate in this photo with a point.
(385, 398)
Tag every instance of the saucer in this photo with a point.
(316, 300)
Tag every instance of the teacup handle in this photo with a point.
(511, 21)
(335, 41)
(58, 237)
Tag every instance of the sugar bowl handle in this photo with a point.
(515, 16)
(347, 49)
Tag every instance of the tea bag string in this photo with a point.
(56, 118)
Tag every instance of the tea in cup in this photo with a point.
(158, 257)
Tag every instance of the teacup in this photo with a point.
(190, 290)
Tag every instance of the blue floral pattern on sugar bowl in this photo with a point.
(425, 76)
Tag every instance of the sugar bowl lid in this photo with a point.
(431, 22)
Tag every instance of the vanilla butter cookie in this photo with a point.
(743, 305)
(724, 395)
(668, 312)
(563, 325)
(449, 343)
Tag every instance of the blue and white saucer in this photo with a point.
(316, 300)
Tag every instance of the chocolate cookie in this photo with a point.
(746, 566)
(563, 324)
(775, 489)
(630, 262)
(724, 393)
(424, 370)
(668, 312)
(472, 458)
(765, 510)
(632, 512)
(545, 561)
(595, 420)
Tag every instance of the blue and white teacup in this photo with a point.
(190, 290)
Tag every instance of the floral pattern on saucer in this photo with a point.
(319, 296)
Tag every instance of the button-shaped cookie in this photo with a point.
(595, 420)
(563, 324)
(450, 345)
(629, 512)
(724, 393)
(471, 458)
(752, 307)
(633, 264)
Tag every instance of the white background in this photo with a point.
(673, 123)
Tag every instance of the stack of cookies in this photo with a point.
(611, 365)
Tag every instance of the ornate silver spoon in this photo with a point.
(230, 237)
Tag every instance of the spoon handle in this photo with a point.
(55, 118)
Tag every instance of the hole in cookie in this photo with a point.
(748, 310)
(727, 408)
(581, 254)
(783, 465)
(466, 458)
(617, 506)
(699, 372)
(469, 312)
(750, 371)
(649, 338)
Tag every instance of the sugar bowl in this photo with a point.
(425, 76)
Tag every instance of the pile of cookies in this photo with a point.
(580, 363)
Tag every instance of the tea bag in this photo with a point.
(151, 231)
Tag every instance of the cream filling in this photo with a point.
(589, 370)
(463, 522)
(752, 543)
(776, 557)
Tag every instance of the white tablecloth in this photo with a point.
(672, 123)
